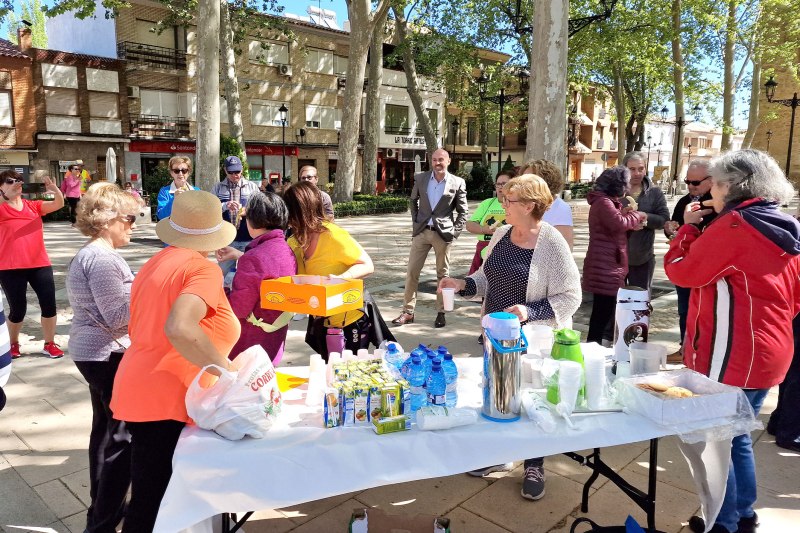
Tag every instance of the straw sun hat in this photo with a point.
(196, 223)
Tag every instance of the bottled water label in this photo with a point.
(436, 399)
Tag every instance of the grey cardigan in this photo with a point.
(553, 275)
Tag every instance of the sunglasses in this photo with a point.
(12, 181)
(695, 182)
(180, 170)
(130, 219)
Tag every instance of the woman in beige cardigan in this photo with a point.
(529, 271)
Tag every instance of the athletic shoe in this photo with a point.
(52, 350)
(698, 525)
(15, 350)
(533, 482)
(508, 467)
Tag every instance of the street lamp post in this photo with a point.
(769, 136)
(283, 110)
(679, 123)
(523, 76)
(455, 124)
(649, 145)
(769, 87)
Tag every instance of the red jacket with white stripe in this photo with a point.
(744, 273)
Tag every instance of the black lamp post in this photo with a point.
(789, 102)
(523, 77)
(283, 110)
(679, 123)
(769, 136)
(649, 145)
(455, 124)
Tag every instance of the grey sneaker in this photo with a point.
(533, 482)
(508, 467)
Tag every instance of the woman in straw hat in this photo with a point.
(180, 321)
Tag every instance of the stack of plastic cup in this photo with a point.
(539, 336)
(316, 380)
(570, 377)
(594, 368)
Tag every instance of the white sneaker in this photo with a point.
(508, 467)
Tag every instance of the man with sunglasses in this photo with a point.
(234, 192)
(309, 173)
(699, 184)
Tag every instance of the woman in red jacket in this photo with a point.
(606, 262)
(743, 270)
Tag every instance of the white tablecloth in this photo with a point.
(301, 461)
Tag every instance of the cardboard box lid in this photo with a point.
(366, 520)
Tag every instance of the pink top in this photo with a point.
(71, 186)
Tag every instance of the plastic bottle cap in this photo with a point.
(567, 336)
(448, 356)
(392, 349)
(437, 363)
(415, 359)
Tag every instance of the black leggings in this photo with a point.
(73, 208)
(15, 285)
(603, 308)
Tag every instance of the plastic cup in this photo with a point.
(594, 366)
(449, 298)
(646, 358)
(569, 382)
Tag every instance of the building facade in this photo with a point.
(17, 113)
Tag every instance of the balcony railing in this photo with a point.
(154, 126)
(152, 56)
(397, 130)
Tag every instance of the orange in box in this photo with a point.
(325, 297)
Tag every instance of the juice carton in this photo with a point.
(374, 400)
(361, 404)
(331, 412)
(348, 405)
(391, 425)
(390, 399)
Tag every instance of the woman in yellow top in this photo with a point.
(323, 248)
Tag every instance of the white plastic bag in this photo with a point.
(239, 403)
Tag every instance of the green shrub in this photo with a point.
(364, 204)
(480, 182)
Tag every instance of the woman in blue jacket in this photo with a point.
(180, 168)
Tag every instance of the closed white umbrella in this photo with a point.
(111, 165)
(417, 164)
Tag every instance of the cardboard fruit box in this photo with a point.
(712, 399)
(312, 295)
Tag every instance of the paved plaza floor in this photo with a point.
(44, 429)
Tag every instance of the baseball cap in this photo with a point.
(233, 164)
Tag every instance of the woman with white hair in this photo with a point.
(99, 288)
(743, 270)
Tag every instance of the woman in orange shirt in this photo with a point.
(180, 321)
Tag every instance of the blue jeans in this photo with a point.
(740, 492)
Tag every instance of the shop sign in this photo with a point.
(14, 158)
(183, 147)
(410, 140)
(333, 154)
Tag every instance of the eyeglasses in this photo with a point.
(695, 182)
(507, 201)
(12, 181)
(500, 185)
(308, 177)
(180, 170)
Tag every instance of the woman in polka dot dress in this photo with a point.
(529, 271)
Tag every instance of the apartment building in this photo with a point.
(17, 114)
(591, 136)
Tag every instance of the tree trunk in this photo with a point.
(372, 116)
(547, 117)
(229, 75)
(753, 121)
(412, 83)
(677, 78)
(362, 24)
(619, 104)
(207, 157)
(728, 86)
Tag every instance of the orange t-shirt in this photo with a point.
(153, 377)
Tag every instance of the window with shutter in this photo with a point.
(61, 101)
(6, 109)
(104, 105)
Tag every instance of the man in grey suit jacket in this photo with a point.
(438, 214)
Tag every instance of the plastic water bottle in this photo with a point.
(451, 378)
(416, 379)
(334, 340)
(437, 385)
(394, 357)
(406, 366)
